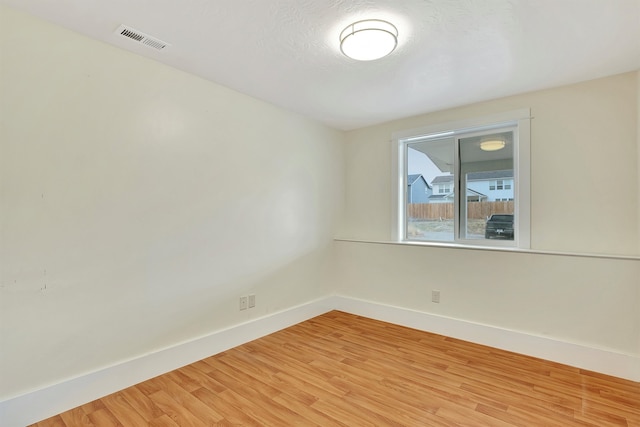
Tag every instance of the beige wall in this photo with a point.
(139, 203)
(584, 176)
(587, 301)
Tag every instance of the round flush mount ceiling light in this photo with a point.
(492, 144)
(369, 39)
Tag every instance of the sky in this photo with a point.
(418, 162)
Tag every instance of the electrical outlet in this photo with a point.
(243, 303)
(252, 301)
(435, 296)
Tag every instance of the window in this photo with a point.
(444, 189)
(479, 172)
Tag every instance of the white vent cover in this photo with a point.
(141, 37)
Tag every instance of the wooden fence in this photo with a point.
(475, 210)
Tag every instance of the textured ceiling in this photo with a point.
(450, 52)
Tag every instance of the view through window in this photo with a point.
(461, 186)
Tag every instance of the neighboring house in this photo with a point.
(418, 189)
(475, 196)
(497, 185)
(493, 186)
(442, 189)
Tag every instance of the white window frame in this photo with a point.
(521, 120)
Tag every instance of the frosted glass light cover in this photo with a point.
(369, 39)
(492, 145)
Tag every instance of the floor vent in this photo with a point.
(141, 37)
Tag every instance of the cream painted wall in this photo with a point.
(587, 301)
(139, 203)
(584, 162)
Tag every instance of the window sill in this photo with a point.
(491, 248)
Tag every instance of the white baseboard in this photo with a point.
(48, 401)
(608, 362)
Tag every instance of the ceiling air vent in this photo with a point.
(141, 37)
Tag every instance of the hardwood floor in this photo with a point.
(343, 370)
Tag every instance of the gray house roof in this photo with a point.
(475, 176)
(411, 179)
(483, 176)
(439, 196)
(471, 192)
(442, 179)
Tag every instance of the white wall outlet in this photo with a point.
(243, 303)
(435, 296)
(252, 301)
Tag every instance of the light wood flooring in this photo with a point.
(343, 370)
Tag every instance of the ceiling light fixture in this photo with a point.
(492, 144)
(369, 39)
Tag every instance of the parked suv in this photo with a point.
(499, 226)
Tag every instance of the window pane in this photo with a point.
(487, 211)
(430, 164)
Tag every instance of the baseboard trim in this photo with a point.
(604, 361)
(48, 401)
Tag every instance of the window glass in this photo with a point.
(433, 218)
(484, 201)
(469, 186)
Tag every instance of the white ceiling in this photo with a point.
(450, 52)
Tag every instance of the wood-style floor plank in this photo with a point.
(76, 417)
(344, 370)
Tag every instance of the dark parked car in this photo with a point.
(499, 226)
